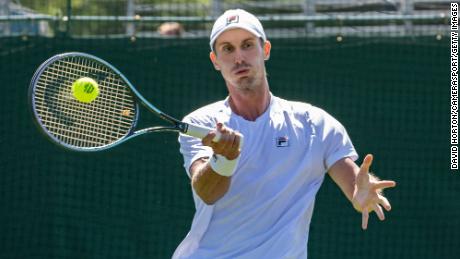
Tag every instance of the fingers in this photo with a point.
(228, 143)
(384, 184)
(365, 218)
(377, 207)
(220, 126)
(365, 215)
(207, 140)
(366, 164)
(372, 199)
(384, 202)
(378, 210)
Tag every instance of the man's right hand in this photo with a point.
(229, 143)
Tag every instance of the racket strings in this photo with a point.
(109, 113)
(105, 120)
(69, 96)
(56, 73)
(91, 125)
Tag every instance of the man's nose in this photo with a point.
(239, 58)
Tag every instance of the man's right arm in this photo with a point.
(207, 184)
(211, 179)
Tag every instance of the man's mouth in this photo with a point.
(241, 71)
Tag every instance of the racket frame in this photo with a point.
(176, 125)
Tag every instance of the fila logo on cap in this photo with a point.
(232, 19)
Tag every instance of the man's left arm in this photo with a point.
(363, 189)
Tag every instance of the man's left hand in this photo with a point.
(368, 195)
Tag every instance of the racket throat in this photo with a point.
(182, 127)
(178, 125)
(153, 129)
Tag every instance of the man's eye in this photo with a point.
(247, 45)
(227, 48)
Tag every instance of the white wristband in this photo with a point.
(222, 165)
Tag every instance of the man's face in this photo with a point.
(240, 57)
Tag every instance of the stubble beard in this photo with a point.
(249, 83)
(246, 84)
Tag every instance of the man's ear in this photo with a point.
(213, 58)
(267, 48)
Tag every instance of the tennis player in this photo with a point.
(257, 201)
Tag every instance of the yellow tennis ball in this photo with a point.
(85, 90)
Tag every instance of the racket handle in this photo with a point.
(199, 131)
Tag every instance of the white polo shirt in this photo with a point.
(268, 208)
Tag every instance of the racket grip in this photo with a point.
(199, 131)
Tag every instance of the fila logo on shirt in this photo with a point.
(232, 19)
(282, 141)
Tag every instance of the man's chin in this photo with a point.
(245, 82)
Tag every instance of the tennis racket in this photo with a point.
(92, 125)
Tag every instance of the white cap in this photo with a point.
(236, 18)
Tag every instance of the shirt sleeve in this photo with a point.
(191, 148)
(337, 143)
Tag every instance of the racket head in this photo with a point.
(75, 125)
